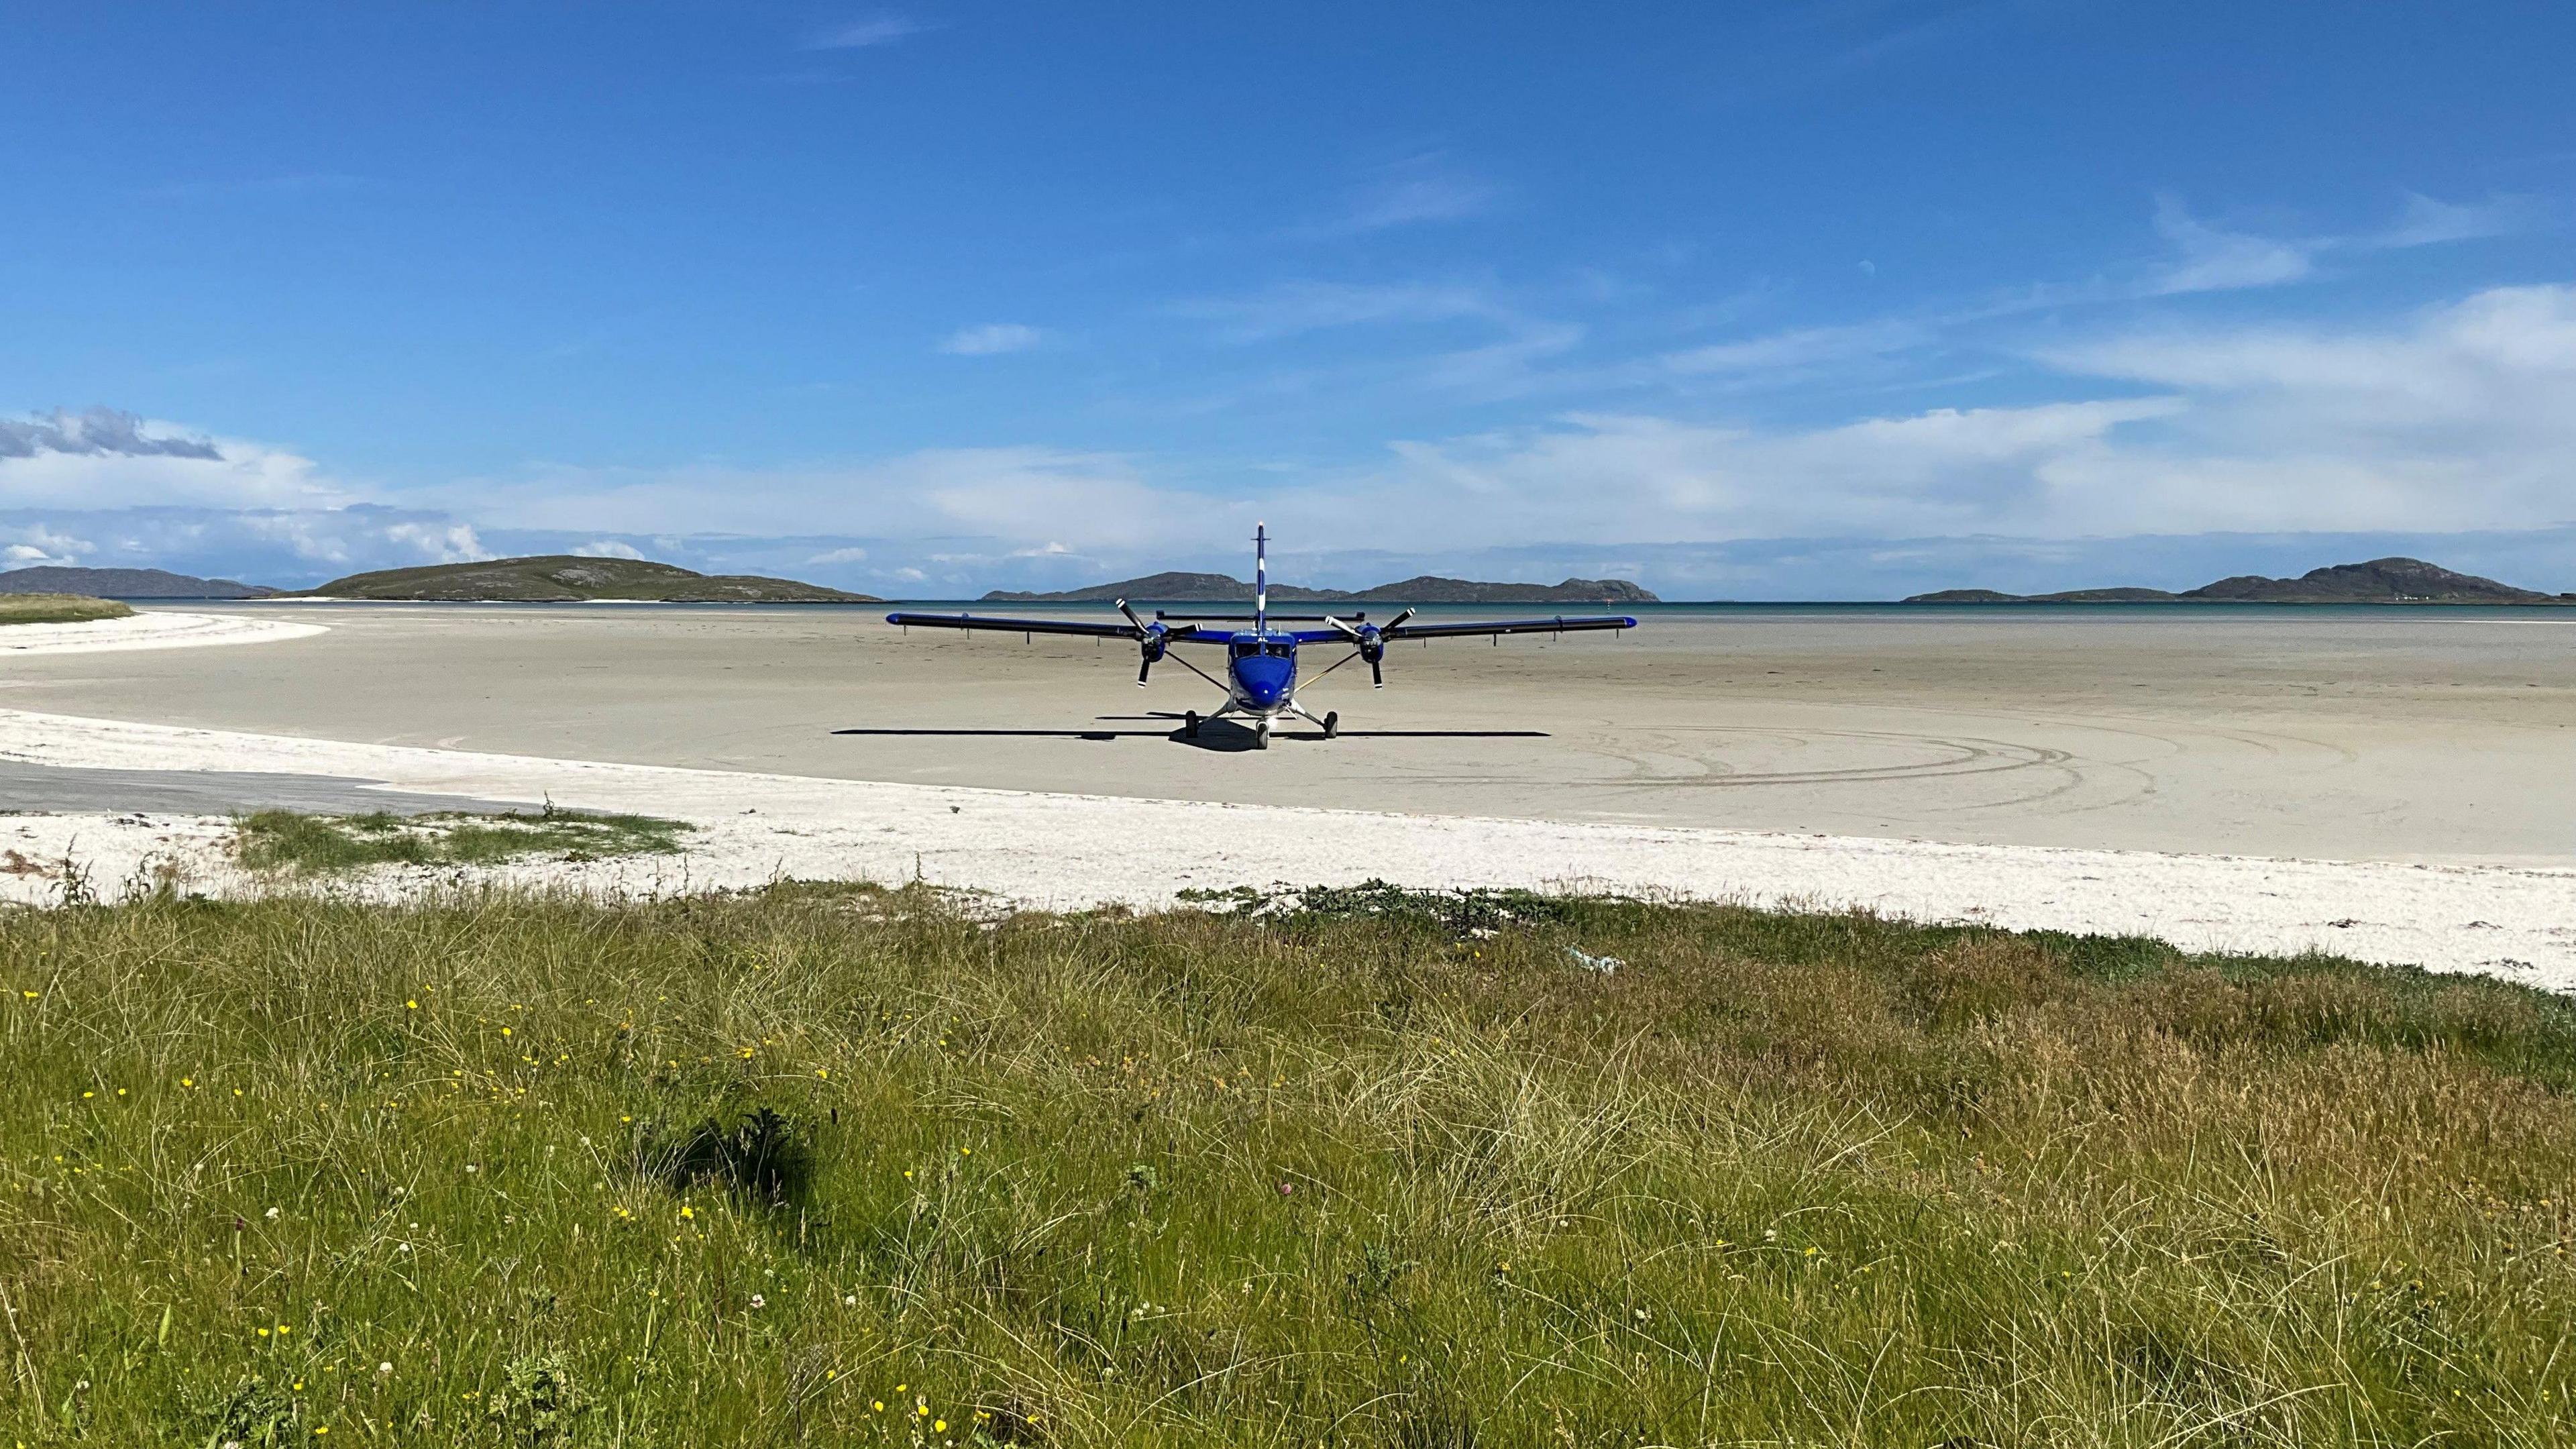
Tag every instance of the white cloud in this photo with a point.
(2463, 418)
(874, 30)
(606, 548)
(105, 459)
(992, 338)
(38, 544)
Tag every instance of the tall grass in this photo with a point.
(500, 1170)
(58, 609)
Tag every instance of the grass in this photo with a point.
(319, 844)
(501, 1170)
(58, 609)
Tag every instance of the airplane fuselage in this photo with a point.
(1261, 669)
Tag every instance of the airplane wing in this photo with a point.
(1031, 626)
(1509, 626)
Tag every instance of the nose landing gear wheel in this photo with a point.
(1190, 725)
(1332, 724)
(1261, 735)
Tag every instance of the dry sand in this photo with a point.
(2109, 772)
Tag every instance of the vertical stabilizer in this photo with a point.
(1261, 578)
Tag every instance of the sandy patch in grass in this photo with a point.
(1075, 851)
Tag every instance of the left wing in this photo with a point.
(1508, 626)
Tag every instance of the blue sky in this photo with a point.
(1828, 300)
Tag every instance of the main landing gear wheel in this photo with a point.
(1332, 724)
(1190, 725)
(1261, 735)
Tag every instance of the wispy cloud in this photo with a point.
(2428, 222)
(1410, 192)
(2210, 259)
(991, 339)
(1799, 348)
(1291, 308)
(883, 28)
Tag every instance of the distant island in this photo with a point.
(1184, 588)
(2380, 581)
(568, 579)
(124, 584)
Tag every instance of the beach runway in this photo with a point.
(2398, 735)
(2390, 787)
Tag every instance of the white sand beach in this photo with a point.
(153, 629)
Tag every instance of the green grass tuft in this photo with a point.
(58, 609)
(317, 844)
(506, 1170)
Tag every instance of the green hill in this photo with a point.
(565, 578)
(2380, 581)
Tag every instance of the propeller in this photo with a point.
(1151, 641)
(1370, 639)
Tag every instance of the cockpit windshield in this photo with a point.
(1279, 649)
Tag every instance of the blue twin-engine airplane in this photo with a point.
(1261, 662)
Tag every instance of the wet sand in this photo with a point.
(2432, 735)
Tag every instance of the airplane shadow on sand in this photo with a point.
(1222, 736)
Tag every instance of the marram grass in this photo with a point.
(300, 844)
(839, 1167)
(58, 609)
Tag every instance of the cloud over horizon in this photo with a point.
(2454, 418)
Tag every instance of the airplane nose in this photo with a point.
(1264, 680)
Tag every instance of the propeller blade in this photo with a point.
(1391, 624)
(1344, 626)
(1142, 670)
(1138, 624)
(1377, 675)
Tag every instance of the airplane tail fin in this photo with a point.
(1261, 578)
